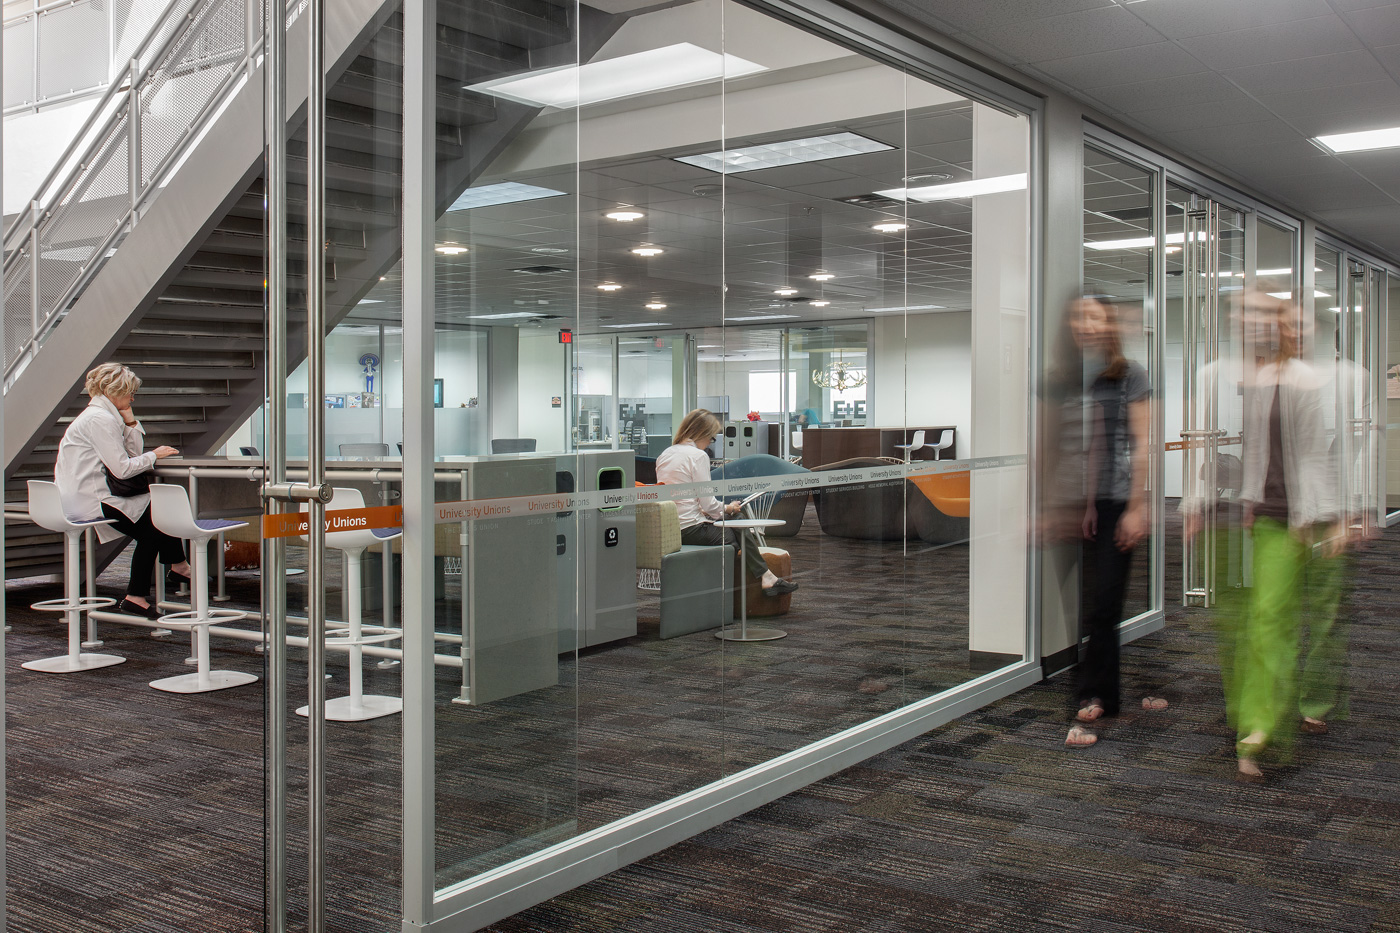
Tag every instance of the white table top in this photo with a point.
(749, 522)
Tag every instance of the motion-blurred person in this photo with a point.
(1113, 428)
(1290, 504)
(685, 461)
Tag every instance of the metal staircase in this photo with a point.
(175, 288)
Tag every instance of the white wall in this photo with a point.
(543, 369)
(922, 372)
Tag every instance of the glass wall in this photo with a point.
(1390, 410)
(699, 205)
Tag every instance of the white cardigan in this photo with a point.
(686, 463)
(99, 437)
(1310, 475)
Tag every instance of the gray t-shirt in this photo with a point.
(1109, 399)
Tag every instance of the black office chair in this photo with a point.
(513, 445)
(248, 451)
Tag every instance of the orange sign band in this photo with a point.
(292, 524)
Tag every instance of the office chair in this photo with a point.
(248, 451)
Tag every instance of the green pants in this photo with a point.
(1322, 694)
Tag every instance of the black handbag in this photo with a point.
(137, 485)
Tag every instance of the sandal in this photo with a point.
(1313, 726)
(1090, 711)
(1154, 703)
(1079, 737)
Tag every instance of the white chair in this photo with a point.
(171, 513)
(915, 443)
(795, 445)
(945, 440)
(46, 508)
(353, 544)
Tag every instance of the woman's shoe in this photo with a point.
(779, 588)
(127, 607)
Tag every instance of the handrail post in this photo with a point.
(34, 307)
(133, 133)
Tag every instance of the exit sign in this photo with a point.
(566, 336)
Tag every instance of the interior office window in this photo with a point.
(766, 393)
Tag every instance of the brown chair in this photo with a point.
(939, 505)
(871, 511)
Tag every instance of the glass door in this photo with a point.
(1356, 395)
(1206, 254)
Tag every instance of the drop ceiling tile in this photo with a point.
(1334, 110)
(1071, 34)
(1182, 90)
(1376, 27)
(1181, 19)
(1321, 71)
(1235, 110)
(1348, 5)
(1322, 35)
(986, 14)
(1389, 56)
(1122, 66)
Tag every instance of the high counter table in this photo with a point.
(823, 445)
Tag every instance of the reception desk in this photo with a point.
(821, 446)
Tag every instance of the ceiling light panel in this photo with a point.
(505, 316)
(766, 317)
(632, 75)
(1363, 141)
(507, 192)
(789, 152)
(646, 324)
(958, 189)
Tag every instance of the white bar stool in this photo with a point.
(353, 543)
(915, 443)
(46, 508)
(171, 513)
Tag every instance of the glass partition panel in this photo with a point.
(1391, 403)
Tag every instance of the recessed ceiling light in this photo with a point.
(890, 227)
(451, 249)
(655, 306)
(644, 324)
(506, 192)
(505, 316)
(907, 308)
(821, 276)
(647, 251)
(788, 152)
(371, 301)
(958, 189)
(549, 249)
(609, 287)
(625, 217)
(820, 304)
(765, 317)
(644, 72)
(785, 291)
(1388, 138)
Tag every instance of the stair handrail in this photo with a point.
(67, 181)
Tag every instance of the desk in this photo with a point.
(745, 633)
(823, 445)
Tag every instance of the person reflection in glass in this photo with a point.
(685, 461)
(1117, 414)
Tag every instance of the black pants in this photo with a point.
(1104, 587)
(708, 534)
(149, 543)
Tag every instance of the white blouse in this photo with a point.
(99, 437)
(686, 463)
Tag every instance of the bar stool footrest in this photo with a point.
(190, 618)
(340, 643)
(81, 604)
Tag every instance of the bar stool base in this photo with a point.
(753, 634)
(370, 707)
(65, 664)
(218, 680)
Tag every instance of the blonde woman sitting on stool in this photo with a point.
(108, 435)
(685, 461)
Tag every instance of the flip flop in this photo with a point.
(1154, 703)
(1079, 737)
(1090, 711)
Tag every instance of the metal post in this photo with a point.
(35, 307)
(316, 466)
(275, 549)
(90, 584)
(133, 134)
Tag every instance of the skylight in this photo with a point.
(789, 152)
(645, 72)
(507, 192)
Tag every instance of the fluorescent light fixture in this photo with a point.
(1335, 310)
(625, 217)
(907, 308)
(609, 287)
(631, 75)
(451, 249)
(1140, 242)
(785, 291)
(646, 324)
(958, 189)
(648, 251)
(1287, 295)
(765, 317)
(820, 304)
(370, 301)
(890, 227)
(655, 306)
(708, 346)
(1388, 138)
(505, 316)
(1273, 272)
(507, 192)
(821, 276)
(788, 152)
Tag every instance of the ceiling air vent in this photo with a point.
(540, 270)
(872, 200)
